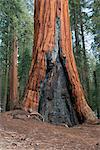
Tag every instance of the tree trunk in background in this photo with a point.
(97, 94)
(76, 29)
(6, 74)
(4, 102)
(54, 86)
(0, 89)
(14, 76)
(78, 54)
(85, 68)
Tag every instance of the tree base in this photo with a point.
(55, 102)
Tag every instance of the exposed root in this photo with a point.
(23, 115)
(95, 122)
(64, 125)
(37, 115)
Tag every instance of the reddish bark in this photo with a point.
(14, 75)
(46, 13)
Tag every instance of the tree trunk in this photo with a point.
(78, 54)
(4, 102)
(54, 86)
(85, 68)
(97, 94)
(6, 88)
(0, 89)
(6, 74)
(14, 76)
(76, 28)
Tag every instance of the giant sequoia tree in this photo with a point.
(54, 87)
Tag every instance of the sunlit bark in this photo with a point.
(52, 39)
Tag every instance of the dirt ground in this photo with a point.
(23, 133)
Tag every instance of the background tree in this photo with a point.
(80, 27)
(95, 6)
(14, 17)
(0, 85)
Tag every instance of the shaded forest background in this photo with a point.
(17, 32)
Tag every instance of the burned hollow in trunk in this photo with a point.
(56, 103)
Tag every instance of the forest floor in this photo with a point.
(21, 133)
